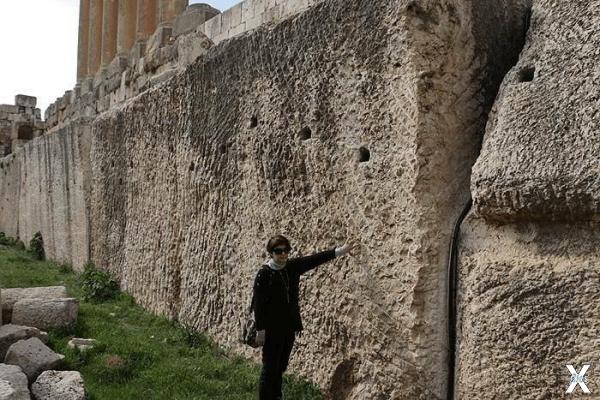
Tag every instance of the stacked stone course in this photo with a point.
(19, 123)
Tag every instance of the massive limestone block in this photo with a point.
(355, 118)
(44, 189)
(12, 295)
(530, 304)
(33, 356)
(541, 150)
(10, 334)
(59, 385)
(17, 380)
(46, 313)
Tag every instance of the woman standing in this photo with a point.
(277, 309)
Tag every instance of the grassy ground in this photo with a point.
(141, 356)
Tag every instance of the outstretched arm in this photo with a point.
(305, 264)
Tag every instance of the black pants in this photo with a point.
(275, 357)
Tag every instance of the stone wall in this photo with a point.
(332, 124)
(44, 186)
(530, 260)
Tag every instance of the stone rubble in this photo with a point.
(11, 334)
(14, 375)
(33, 356)
(59, 385)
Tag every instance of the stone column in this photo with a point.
(169, 9)
(146, 19)
(83, 44)
(127, 25)
(109, 30)
(95, 36)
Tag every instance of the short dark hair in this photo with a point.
(277, 241)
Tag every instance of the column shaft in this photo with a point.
(127, 25)
(169, 9)
(95, 36)
(109, 30)
(146, 19)
(83, 43)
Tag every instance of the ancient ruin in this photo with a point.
(191, 139)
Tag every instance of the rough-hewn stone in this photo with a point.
(11, 295)
(540, 155)
(10, 334)
(410, 84)
(59, 385)
(33, 356)
(46, 313)
(17, 380)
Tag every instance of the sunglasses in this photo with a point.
(281, 250)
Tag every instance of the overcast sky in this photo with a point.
(38, 44)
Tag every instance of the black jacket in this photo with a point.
(276, 303)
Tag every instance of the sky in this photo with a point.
(38, 45)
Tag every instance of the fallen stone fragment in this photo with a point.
(11, 296)
(33, 356)
(11, 334)
(82, 344)
(17, 380)
(59, 385)
(46, 313)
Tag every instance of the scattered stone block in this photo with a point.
(17, 380)
(11, 296)
(82, 344)
(59, 385)
(11, 334)
(46, 313)
(191, 46)
(194, 16)
(33, 356)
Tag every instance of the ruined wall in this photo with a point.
(43, 188)
(268, 133)
(530, 259)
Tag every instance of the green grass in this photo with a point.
(141, 356)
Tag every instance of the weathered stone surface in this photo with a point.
(82, 344)
(540, 155)
(194, 16)
(409, 83)
(25, 101)
(59, 385)
(46, 313)
(17, 380)
(10, 334)
(60, 212)
(11, 295)
(33, 356)
(190, 47)
(530, 302)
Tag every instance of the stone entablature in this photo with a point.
(19, 123)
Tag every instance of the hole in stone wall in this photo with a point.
(526, 74)
(25, 132)
(120, 181)
(364, 154)
(222, 149)
(253, 123)
(192, 166)
(305, 133)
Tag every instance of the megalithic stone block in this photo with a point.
(12, 295)
(46, 313)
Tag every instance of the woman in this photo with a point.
(277, 310)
